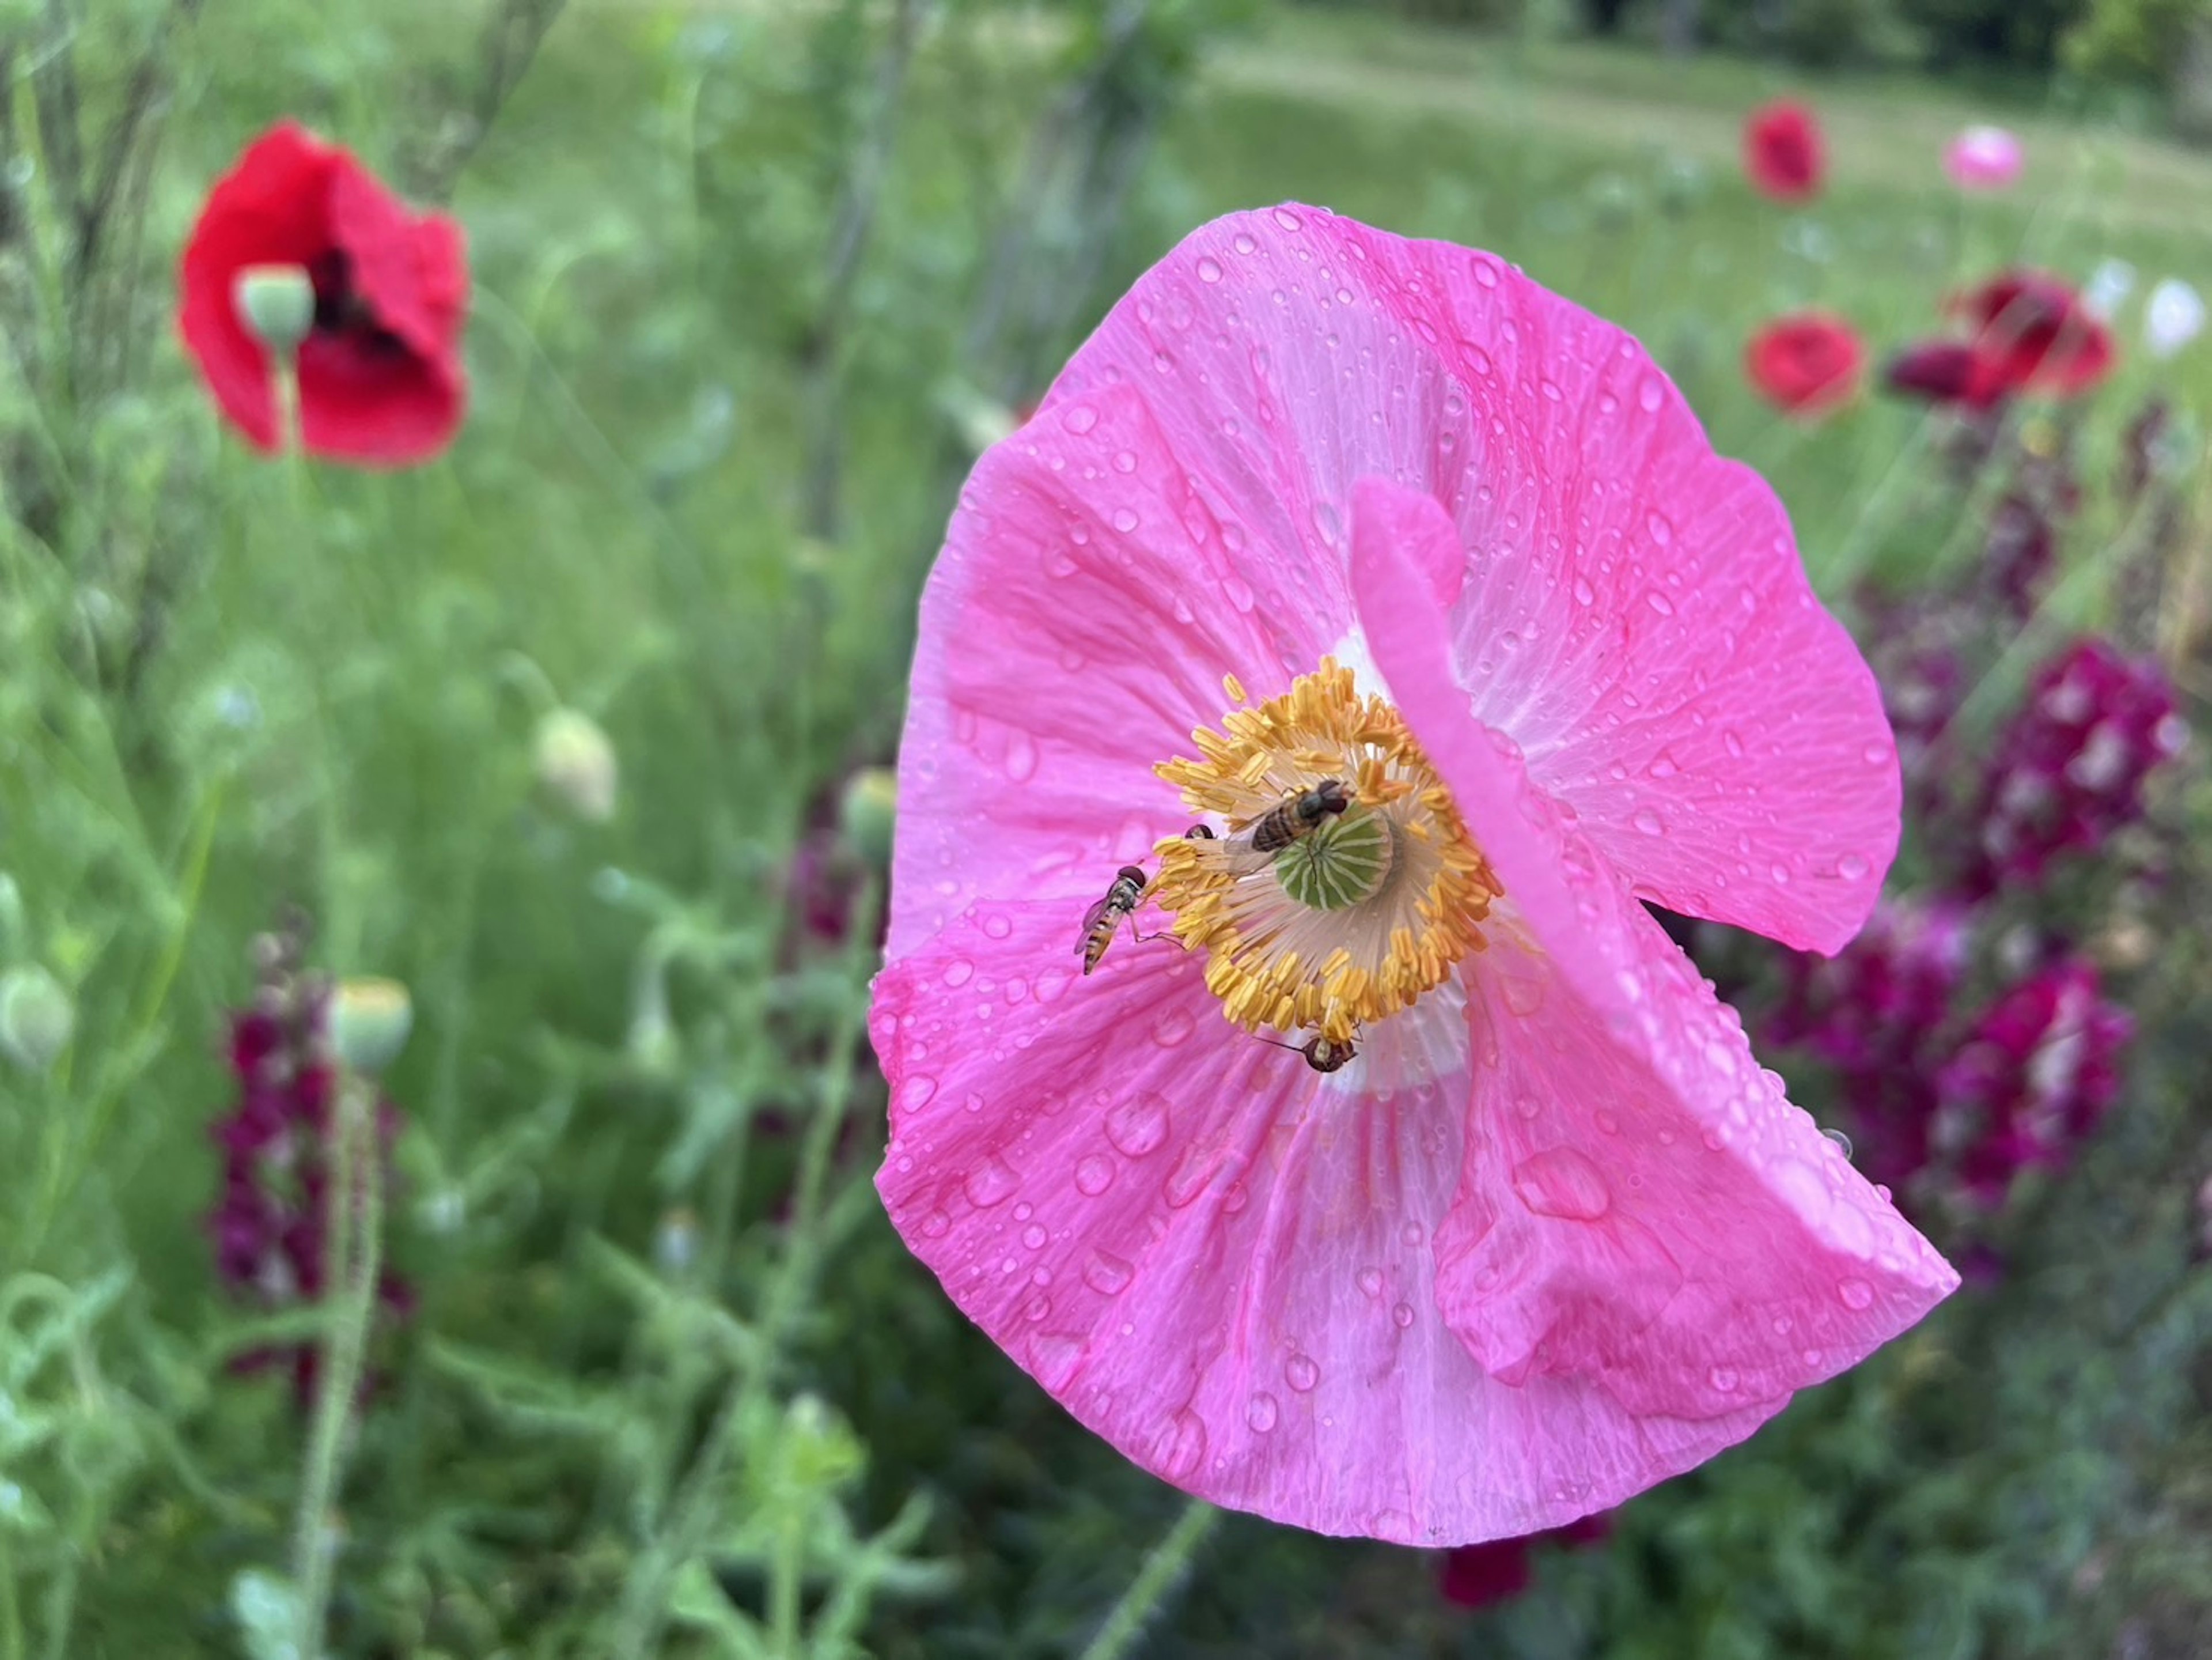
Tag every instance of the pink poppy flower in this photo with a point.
(1318, 503)
(1983, 158)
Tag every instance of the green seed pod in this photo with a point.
(369, 1022)
(36, 1017)
(868, 812)
(276, 303)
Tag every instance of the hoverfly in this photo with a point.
(1300, 816)
(1323, 1053)
(1101, 920)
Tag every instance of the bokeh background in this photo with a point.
(754, 281)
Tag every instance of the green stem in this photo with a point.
(1156, 1583)
(352, 1248)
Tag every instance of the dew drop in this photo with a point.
(1723, 1379)
(997, 926)
(1648, 822)
(959, 971)
(1660, 603)
(1584, 593)
(1180, 1446)
(1838, 1139)
(1094, 1173)
(1126, 519)
(1403, 1314)
(1034, 1235)
(934, 1225)
(1851, 868)
(1125, 461)
(1371, 1281)
(991, 1183)
(1238, 592)
(1173, 1028)
(1261, 1413)
(1107, 1274)
(1245, 244)
(1021, 762)
(1209, 270)
(1080, 419)
(1855, 1293)
(1138, 1127)
(1053, 1357)
(1562, 1183)
(1288, 220)
(1301, 1372)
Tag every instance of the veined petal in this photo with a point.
(1220, 1261)
(1640, 1206)
(1634, 614)
(1076, 628)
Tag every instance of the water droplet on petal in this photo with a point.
(1648, 822)
(1034, 1235)
(1371, 1281)
(934, 1225)
(1841, 1142)
(1107, 1274)
(1079, 419)
(1403, 1314)
(1054, 1358)
(1209, 270)
(1855, 1293)
(991, 1183)
(1180, 1446)
(1301, 1372)
(1174, 1026)
(1584, 593)
(1852, 869)
(1093, 1175)
(1562, 1183)
(1125, 519)
(1288, 220)
(1138, 1126)
(1722, 1378)
(1261, 1412)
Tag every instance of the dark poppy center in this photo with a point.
(342, 310)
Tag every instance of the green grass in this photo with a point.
(620, 523)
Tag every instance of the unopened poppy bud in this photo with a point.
(276, 303)
(36, 1017)
(867, 812)
(576, 762)
(369, 1023)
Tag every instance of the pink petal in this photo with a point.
(1075, 630)
(1641, 1209)
(1214, 1258)
(1634, 604)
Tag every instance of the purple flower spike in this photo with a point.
(2068, 771)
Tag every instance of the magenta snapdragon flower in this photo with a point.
(1415, 1184)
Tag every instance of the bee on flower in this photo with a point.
(1533, 1230)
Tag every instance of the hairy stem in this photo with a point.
(1156, 1583)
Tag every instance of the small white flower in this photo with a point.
(2173, 317)
(2110, 285)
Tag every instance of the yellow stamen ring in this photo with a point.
(1359, 918)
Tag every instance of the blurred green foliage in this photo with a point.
(753, 282)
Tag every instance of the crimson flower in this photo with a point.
(2034, 326)
(1805, 363)
(1482, 1576)
(1414, 1184)
(379, 376)
(1783, 154)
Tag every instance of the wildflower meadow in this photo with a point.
(1105, 828)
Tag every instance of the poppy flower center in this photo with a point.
(1347, 887)
(340, 308)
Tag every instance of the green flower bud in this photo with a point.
(576, 762)
(276, 303)
(36, 1017)
(868, 812)
(369, 1022)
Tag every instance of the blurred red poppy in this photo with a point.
(2035, 329)
(1783, 151)
(2032, 334)
(379, 377)
(1805, 363)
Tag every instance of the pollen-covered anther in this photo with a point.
(1374, 897)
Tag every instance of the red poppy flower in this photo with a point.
(1783, 151)
(380, 379)
(2035, 328)
(1805, 363)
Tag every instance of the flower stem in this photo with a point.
(353, 1240)
(1156, 1583)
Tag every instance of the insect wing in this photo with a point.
(1090, 920)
